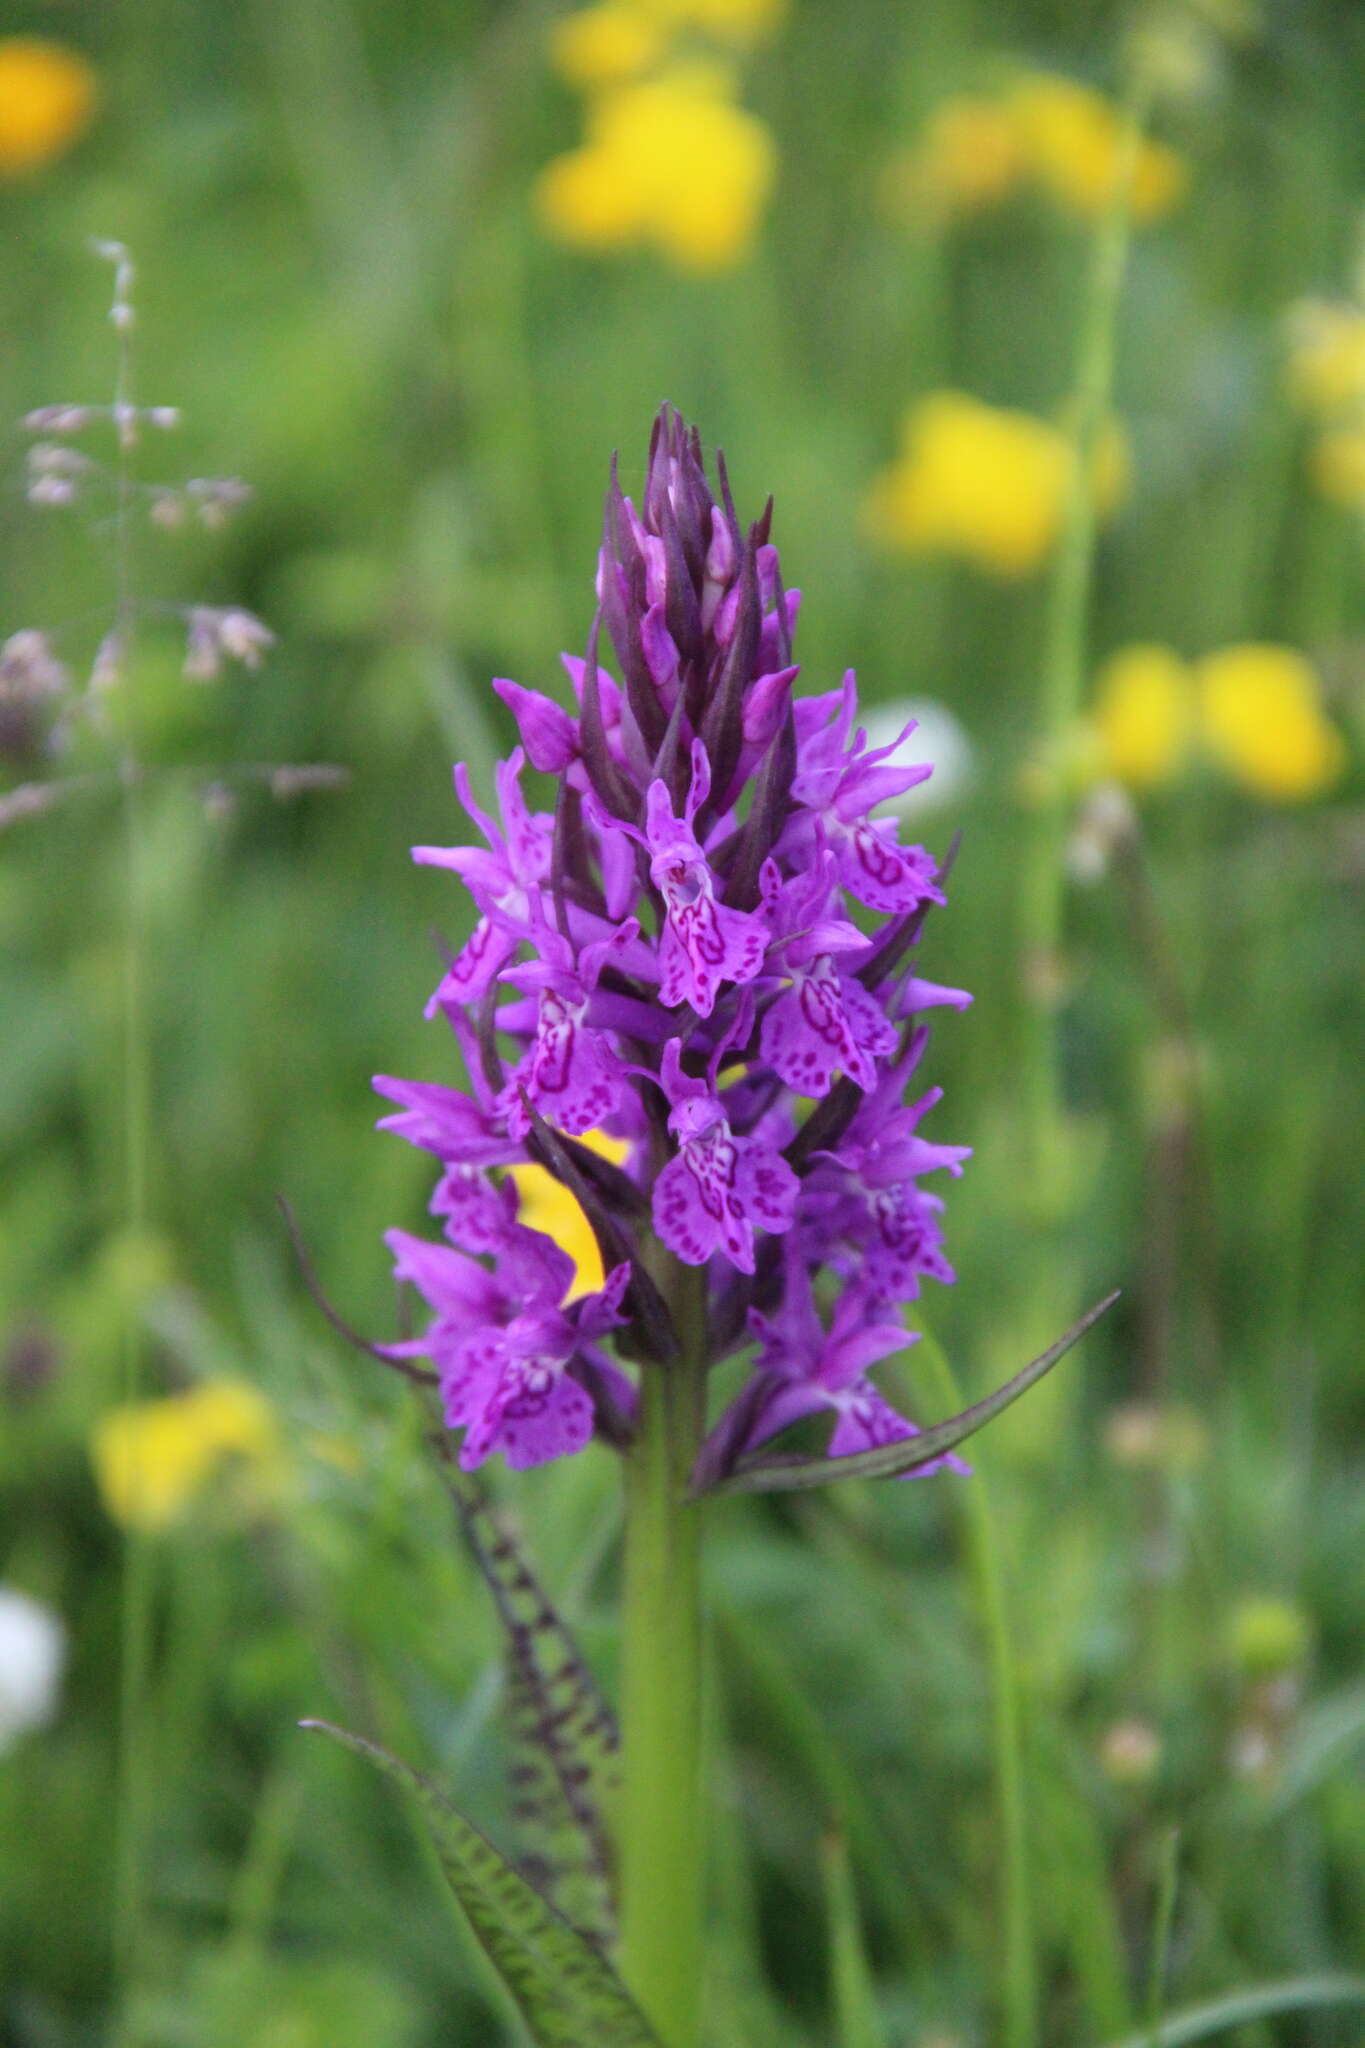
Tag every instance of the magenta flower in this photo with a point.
(701, 948)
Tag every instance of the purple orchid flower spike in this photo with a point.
(689, 1016)
(691, 997)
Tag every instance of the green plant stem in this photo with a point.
(1062, 678)
(1161, 1933)
(134, 1767)
(1019, 1988)
(662, 1836)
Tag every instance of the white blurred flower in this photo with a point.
(32, 1652)
(938, 738)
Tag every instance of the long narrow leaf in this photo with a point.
(1239, 2008)
(785, 1475)
(566, 1991)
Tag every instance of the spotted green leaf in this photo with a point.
(568, 1994)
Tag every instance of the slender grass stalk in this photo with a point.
(1019, 1983)
(134, 1773)
(1167, 1881)
(662, 1838)
(1063, 673)
(857, 2023)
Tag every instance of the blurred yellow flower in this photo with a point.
(1255, 710)
(153, 1459)
(1262, 720)
(969, 158)
(671, 162)
(983, 483)
(607, 44)
(47, 95)
(1144, 715)
(978, 149)
(1072, 139)
(1338, 465)
(1326, 368)
(544, 1203)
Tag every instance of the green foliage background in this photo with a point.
(341, 283)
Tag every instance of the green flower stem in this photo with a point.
(135, 1772)
(662, 1835)
(1063, 675)
(1019, 1982)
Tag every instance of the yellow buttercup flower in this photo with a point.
(1326, 367)
(969, 158)
(544, 1203)
(47, 95)
(1072, 139)
(154, 1459)
(740, 22)
(1144, 715)
(1262, 720)
(619, 40)
(670, 163)
(608, 44)
(984, 483)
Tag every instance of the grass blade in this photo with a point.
(1255, 2002)
(857, 2023)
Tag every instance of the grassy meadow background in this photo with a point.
(345, 283)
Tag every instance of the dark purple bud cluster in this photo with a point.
(701, 953)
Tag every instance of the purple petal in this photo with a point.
(548, 734)
(538, 1413)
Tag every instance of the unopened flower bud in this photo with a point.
(1106, 820)
(1146, 1437)
(1130, 1753)
(1267, 1637)
(1252, 1752)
